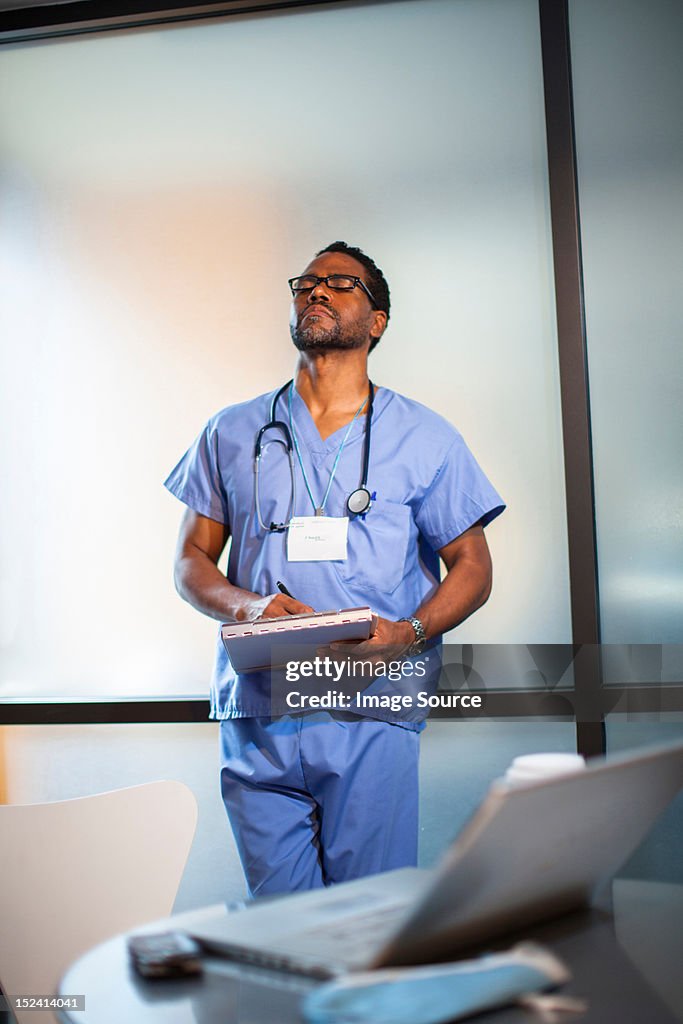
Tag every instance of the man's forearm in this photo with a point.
(199, 582)
(465, 588)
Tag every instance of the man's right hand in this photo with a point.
(275, 605)
(199, 581)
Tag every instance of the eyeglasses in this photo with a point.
(337, 282)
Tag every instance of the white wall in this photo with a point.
(158, 188)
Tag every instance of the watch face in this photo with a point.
(359, 501)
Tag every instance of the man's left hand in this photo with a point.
(389, 640)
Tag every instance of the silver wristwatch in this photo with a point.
(418, 644)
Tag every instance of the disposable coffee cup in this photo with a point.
(529, 768)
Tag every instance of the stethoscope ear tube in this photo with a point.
(360, 501)
(274, 424)
(366, 450)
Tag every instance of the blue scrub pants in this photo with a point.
(320, 798)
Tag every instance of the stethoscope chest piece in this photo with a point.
(359, 501)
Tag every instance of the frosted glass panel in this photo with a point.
(628, 94)
(159, 188)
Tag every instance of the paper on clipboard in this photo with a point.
(250, 645)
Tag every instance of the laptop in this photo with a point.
(528, 854)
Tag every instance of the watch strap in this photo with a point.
(420, 640)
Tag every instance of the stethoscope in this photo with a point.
(357, 503)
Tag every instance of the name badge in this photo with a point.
(317, 538)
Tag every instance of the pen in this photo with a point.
(283, 590)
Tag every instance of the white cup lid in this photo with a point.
(533, 767)
(548, 763)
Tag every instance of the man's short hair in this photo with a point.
(376, 281)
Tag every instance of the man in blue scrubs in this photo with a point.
(323, 797)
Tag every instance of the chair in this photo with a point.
(75, 872)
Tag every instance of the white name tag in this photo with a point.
(317, 539)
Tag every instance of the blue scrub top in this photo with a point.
(428, 490)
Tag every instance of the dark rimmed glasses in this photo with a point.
(337, 282)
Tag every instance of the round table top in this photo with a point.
(624, 964)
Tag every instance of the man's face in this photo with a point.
(325, 320)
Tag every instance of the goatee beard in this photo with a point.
(317, 336)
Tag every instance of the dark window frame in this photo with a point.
(556, 705)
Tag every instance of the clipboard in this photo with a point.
(266, 643)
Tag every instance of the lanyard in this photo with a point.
(319, 509)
